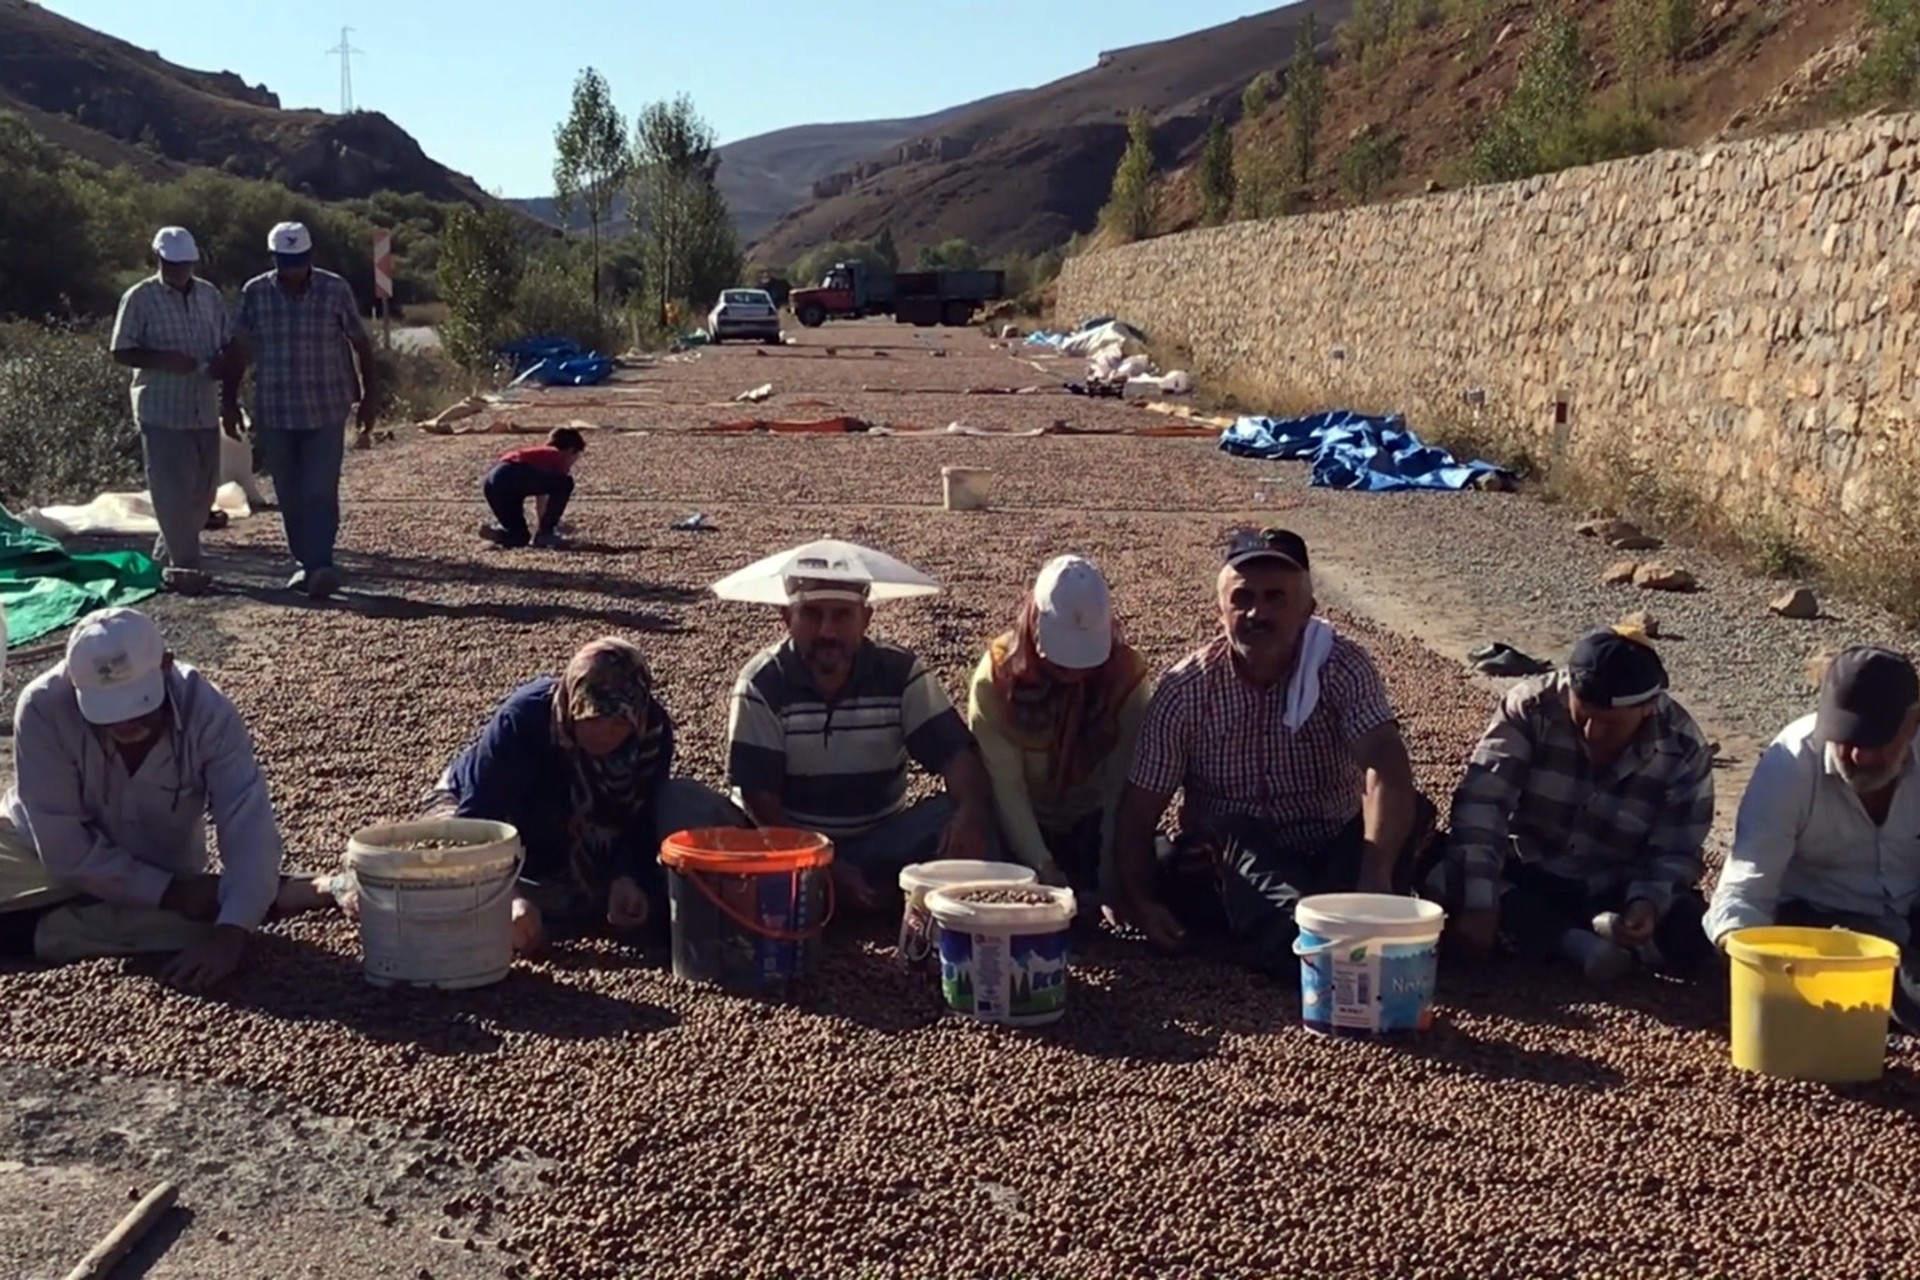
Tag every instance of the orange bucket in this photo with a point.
(748, 905)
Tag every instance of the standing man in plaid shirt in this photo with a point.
(300, 326)
(1295, 777)
(172, 330)
(1578, 827)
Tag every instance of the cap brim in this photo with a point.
(123, 702)
(1073, 648)
(1853, 729)
(1248, 557)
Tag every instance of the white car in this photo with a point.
(744, 313)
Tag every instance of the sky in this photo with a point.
(481, 84)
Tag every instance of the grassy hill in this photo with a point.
(115, 104)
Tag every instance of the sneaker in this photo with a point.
(493, 533)
(186, 582)
(298, 582)
(549, 541)
(322, 583)
(1601, 961)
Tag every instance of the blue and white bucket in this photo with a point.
(1368, 963)
(1004, 950)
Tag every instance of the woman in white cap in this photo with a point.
(1057, 705)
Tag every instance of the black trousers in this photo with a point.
(1905, 933)
(509, 485)
(1242, 881)
(1537, 909)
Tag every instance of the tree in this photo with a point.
(590, 159)
(1130, 208)
(48, 261)
(883, 246)
(1217, 181)
(1547, 123)
(1368, 164)
(1407, 18)
(692, 250)
(1306, 99)
(953, 255)
(1637, 38)
(1891, 70)
(479, 273)
(1363, 37)
(1677, 22)
(1257, 96)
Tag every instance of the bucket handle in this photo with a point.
(754, 926)
(507, 886)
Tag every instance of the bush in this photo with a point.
(551, 301)
(66, 423)
(416, 384)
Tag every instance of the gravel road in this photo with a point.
(1176, 1123)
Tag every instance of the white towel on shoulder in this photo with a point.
(1303, 691)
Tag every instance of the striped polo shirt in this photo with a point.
(839, 767)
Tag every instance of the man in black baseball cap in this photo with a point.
(1829, 828)
(1282, 741)
(1578, 827)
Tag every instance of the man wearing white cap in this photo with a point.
(172, 330)
(121, 755)
(300, 327)
(824, 727)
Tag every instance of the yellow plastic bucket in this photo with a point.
(1811, 1004)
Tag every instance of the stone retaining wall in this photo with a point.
(1737, 322)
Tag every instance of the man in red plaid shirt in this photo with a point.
(1295, 778)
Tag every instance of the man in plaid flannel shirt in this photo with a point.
(1577, 830)
(1295, 777)
(172, 330)
(301, 328)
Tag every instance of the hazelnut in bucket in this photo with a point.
(1003, 950)
(436, 901)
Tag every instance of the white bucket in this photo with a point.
(1004, 962)
(916, 924)
(436, 917)
(966, 488)
(1368, 962)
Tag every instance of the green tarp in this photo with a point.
(47, 588)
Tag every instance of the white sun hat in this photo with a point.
(854, 572)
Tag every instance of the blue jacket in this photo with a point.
(513, 773)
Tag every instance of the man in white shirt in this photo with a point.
(1828, 832)
(121, 756)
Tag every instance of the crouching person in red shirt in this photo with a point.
(543, 472)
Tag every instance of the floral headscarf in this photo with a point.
(607, 678)
(1076, 724)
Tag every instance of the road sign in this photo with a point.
(383, 264)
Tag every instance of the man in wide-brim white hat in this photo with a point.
(826, 724)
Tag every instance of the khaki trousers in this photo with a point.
(79, 927)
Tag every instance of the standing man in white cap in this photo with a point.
(121, 755)
(300, 327)
(172, 330)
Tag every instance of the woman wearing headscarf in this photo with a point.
(1057, 705)
(581, 766)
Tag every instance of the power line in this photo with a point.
(345, 51)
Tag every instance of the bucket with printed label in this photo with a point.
(1003, 950)
(1368, 963)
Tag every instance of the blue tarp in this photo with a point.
(1355, 451)
(556, 362)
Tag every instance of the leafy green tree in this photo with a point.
(49, 261)
(953, 255)
(1363, 36)
(1257, 96)
(1369, 163)
(1306, 99)
(888, 252)
(1891, 70)
(1677, 22)
(1637, 43)
(480, 268)
(1130, 208)
(590, 160)
(1217, 180)
(693, 251)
